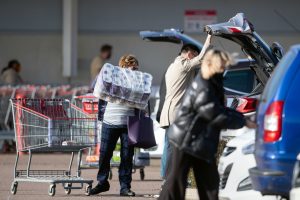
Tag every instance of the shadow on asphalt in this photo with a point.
(147, 180)
(137, 195)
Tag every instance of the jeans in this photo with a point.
(167, 154)
(109, 138)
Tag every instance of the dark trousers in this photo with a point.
(206, 175)
(109, 137)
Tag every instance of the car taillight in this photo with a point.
(273, 122)
(246, 105)
(234, 30)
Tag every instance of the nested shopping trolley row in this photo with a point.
(30, 91)
(52, 125)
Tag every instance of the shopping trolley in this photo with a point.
(68, 91)
(6, 93)
(52, 125)
(89, 104)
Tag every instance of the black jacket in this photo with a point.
(202, 115)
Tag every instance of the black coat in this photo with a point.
(196, 129)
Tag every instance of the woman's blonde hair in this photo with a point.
(128, 61)
(215, 61)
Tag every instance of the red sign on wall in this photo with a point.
(195, 20)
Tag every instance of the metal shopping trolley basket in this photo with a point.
(52, 125)
(89, 104)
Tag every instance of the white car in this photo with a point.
(295, 191)
(295, 194)
(236, 160)
(159, 133)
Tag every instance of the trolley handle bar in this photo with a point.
(53, 118)
(83, 96)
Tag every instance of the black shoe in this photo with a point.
(100, 188)
(127, 193)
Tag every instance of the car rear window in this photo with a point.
(240, 80)
(276, 76)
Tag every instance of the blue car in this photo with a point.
(278, 134)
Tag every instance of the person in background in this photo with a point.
(178, 78)
(196, 130)
(114, 126)
(98, 61)
(11, 73)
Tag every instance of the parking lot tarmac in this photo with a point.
(59, 161)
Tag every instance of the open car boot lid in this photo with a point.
(169, 35)
(239, 30)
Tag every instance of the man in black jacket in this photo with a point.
(196, 130)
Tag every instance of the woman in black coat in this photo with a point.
(196, 130)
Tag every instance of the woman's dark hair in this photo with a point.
(10, 65)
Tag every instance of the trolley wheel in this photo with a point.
(110, 176)
(142, 174)
(51, 191)
(88, 190)
(14, 187)
(68, 190)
